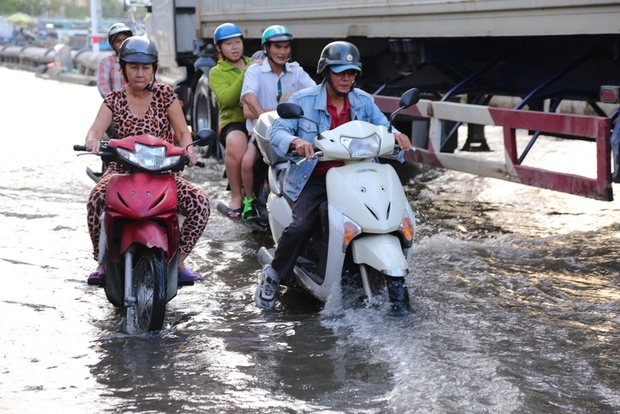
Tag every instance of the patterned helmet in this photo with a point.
(226, 31)
(276, 33)
(117, 28)
(339, 56)
(138, 49)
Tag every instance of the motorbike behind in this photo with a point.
(140, 231)
(365, 238)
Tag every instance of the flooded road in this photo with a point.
(515, 294)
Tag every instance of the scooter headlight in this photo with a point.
(149, 158)
(367, 147)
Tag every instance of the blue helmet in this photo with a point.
(226, 31)
(276, 33)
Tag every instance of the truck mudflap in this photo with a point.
(593, 128)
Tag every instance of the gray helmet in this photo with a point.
(138, 49)
(339, 56)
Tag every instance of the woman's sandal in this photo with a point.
(234, 214)
(97, 278)
(188, 277)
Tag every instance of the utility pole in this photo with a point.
(95, 12)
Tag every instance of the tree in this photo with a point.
(31, 7)
(112, 9)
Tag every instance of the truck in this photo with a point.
(463, 55)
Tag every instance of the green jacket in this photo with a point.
(226, 81)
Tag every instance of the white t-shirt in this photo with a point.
(268, 87)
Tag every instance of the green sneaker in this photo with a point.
(249, 209)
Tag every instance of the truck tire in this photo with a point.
(206, 115)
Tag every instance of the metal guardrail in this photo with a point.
(510, 167)
(59, 63)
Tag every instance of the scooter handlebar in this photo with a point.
(83, 148)
(297, 159)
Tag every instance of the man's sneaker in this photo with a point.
(249, 209)
(266, 290)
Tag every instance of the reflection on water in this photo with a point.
(514, 291)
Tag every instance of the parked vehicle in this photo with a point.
(140, 228)
(531, 56)
(367, 229)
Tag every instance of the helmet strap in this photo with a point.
(152, 84)
(331, 84)
(266, 50)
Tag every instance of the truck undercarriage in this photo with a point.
(467, 56)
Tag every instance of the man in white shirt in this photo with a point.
(264, 86)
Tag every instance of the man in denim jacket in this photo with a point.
(332, 103)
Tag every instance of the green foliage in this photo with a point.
(112, 9)
(31, 7)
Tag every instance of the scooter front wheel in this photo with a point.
(373, 281)
(148, 311)
(399, 295)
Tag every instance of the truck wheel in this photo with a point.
(206, 115)
(149, 290)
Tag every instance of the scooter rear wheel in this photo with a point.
(149, 290)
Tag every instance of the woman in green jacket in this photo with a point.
(226, 80)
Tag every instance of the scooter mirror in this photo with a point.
(204, 137)
(288, 110)
(409, 98)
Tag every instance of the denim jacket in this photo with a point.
(313, 100)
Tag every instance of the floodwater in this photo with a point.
(515, 294)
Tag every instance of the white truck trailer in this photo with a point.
(459, 53)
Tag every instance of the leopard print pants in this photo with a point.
(192, 203)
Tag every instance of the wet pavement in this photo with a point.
(514, 290)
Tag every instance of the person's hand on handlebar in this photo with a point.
(403, 141)
(93, 145)
(193, 158)
(303, 148)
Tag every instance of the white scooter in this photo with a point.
(367, 230)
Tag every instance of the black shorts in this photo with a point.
(228, 128)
